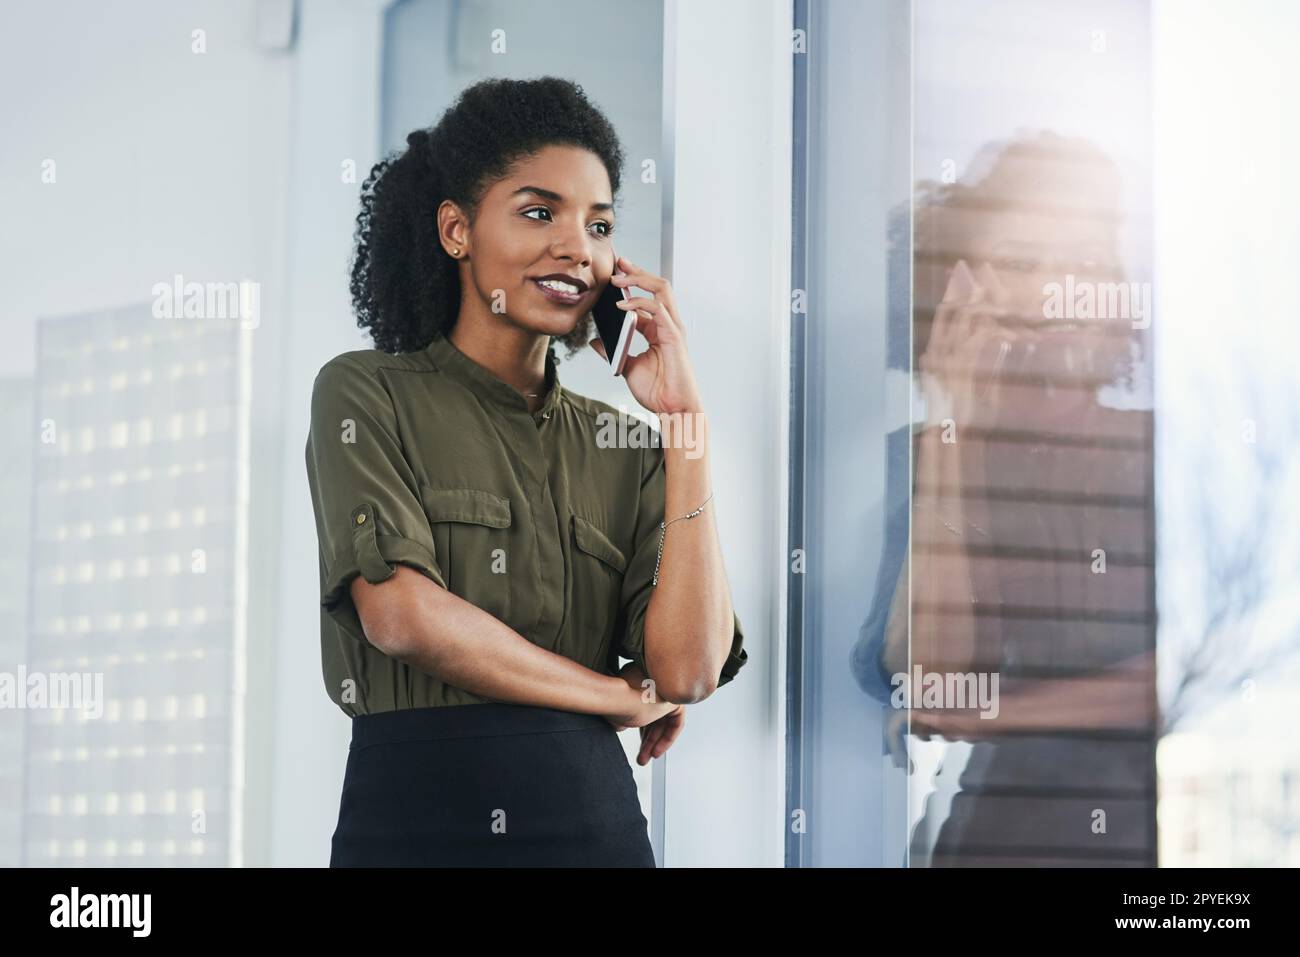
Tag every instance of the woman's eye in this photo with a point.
(609, 227)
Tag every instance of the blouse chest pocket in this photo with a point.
(598, 567)
(471, 537)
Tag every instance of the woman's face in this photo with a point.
(551, 215)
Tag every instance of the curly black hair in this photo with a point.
(405, 287)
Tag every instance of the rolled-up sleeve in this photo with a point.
(369, 517)
(637, 581)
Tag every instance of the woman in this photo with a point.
(485, 556)
(1021, 468)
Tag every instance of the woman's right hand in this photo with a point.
(638, 706)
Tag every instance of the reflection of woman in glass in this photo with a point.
(485, 558)
(1021, 473)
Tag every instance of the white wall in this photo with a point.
(166, 159)
(730, 95)
(336, 118)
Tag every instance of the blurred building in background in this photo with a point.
(138, 540)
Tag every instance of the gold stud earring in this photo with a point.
(456, 251)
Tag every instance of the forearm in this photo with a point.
(689, 621)
(1074, 705)
(464, 646)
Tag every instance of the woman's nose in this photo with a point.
(574, 245)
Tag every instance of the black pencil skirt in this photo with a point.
(488, 785)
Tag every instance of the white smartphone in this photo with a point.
(614, 325)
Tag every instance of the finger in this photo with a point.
(960, 330)
(961, 283)
(646, 305)
(979, 366)
(998, 300)
(654, 309)
(667, 738)
(658, 285)
(599, 346)
(937, 346)
(634, 274)
(645, 325)
(651, 319)
(959, 292)
(991, 282)
(647, 746)
(661, 746)
(990, 392)
(673, 725)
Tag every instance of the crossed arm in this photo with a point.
(412, 619)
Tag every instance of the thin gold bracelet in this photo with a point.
(663, 530)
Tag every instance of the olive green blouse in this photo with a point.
(427, 459)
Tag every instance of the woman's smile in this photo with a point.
(559, 291)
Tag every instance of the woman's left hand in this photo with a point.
(658, 736)
(661, 378)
